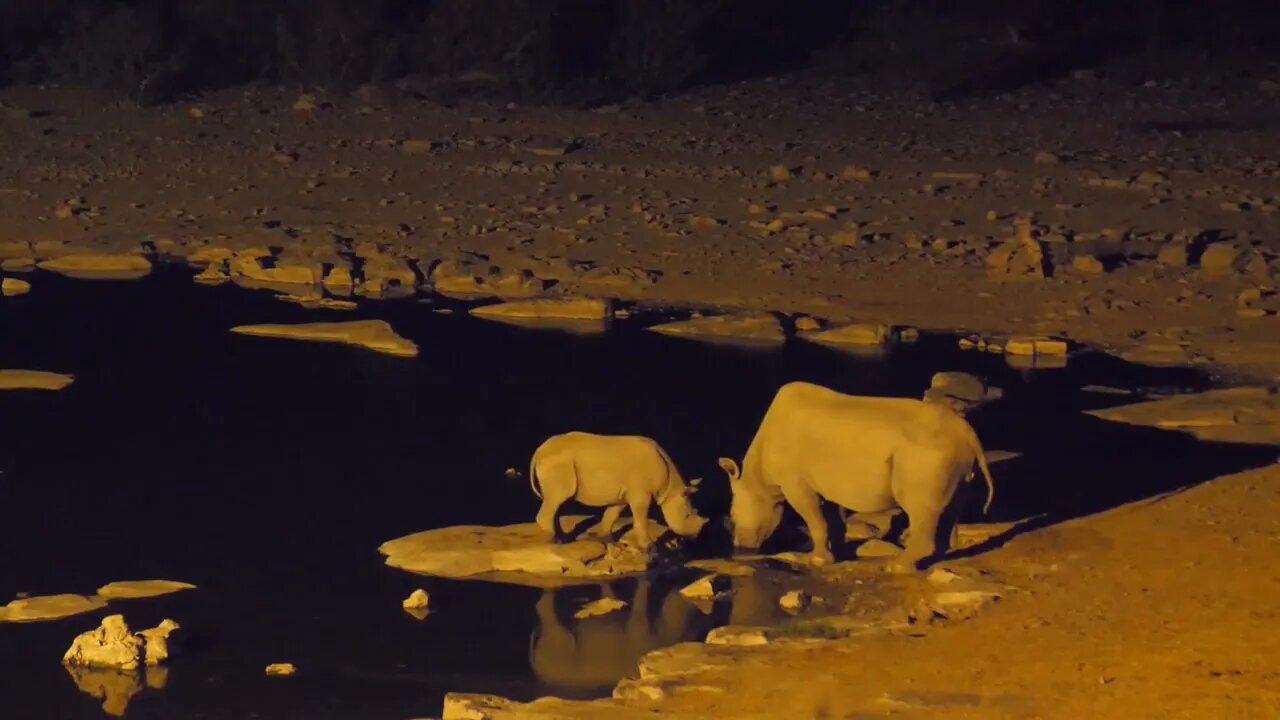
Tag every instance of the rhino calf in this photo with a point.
(613, 472)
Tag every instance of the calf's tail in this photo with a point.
(981, 457)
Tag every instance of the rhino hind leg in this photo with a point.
(921, 542)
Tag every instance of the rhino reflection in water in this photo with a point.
(592, 654)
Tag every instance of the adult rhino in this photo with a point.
(866, 454)
(614, 472)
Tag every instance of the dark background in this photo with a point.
(586, 51)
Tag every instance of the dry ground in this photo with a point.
(1164, 610)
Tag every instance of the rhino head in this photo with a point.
(753, 515)
(679, 513)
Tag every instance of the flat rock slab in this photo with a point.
(95, 266)
(752, 327)
(547, 309)
(866, 335)
(33, 380)
(1244, 415)
(134, 589)
(375, 335)
(49, 607)
(518, 554)
(56, 607)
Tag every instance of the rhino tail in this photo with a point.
(533, 477)
(981, 457)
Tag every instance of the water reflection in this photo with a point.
(586, 657)
(115, 688)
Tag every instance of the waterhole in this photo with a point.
(267, 472)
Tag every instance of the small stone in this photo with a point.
(281, 669)
(305, 103)
(1219, 259)
(1047, 158)
(417, 147)
(712, 587)
(857, 174)
(1173, 255)
(780, 173)
(13, 286)
(795, 600)
(157, 642)
(806, 323)
(1035, 346)
(1088, 264)
(875, 548)
(417, 600)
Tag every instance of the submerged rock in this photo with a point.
(94, 266)
(513, 553)
(375, 335)
(750, 326)
(33, 380)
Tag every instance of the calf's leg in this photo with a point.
(608, 520)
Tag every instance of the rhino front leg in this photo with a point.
(608, 520)
(809, 507)
(640, 519)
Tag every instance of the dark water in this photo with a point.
(268, 471)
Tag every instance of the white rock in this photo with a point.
(281, 669)
(1035, 346)
(711, 587)
(13, 286)
(155, 642)
(876, 548)
(417, 600)
(109, 645)
(794, 600)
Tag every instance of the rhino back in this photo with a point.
(608, 466)
(839, 445)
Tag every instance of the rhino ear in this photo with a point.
(730, 466)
